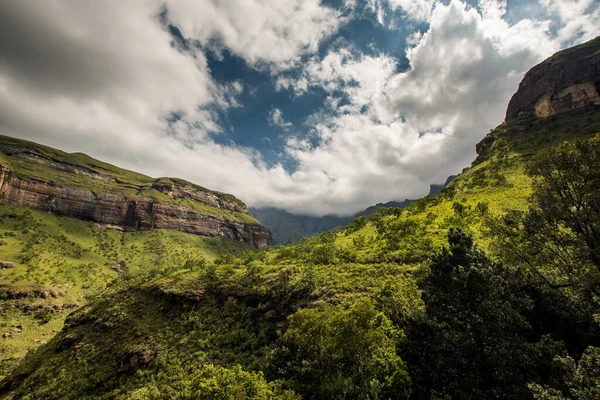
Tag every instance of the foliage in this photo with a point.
(369, 311)
(474, 341)
(559, 236)
(343, 351)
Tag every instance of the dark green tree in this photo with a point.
(475, 341)
(558, 238)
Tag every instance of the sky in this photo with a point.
(315, 107)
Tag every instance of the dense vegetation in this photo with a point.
(57, 261)
(488, 290)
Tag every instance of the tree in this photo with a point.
(474, 341)
(343, 351)
(566, 192)
(558, 238)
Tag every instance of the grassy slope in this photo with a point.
(497, 177)
(233, 311)
(73, 259)
(121, 181)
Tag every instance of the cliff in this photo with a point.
(567, 81)
(75, 185)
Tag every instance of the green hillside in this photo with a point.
(401, 305)
(28, 160)
(59, 262)
(291, 228)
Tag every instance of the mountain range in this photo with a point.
(115, 285)
(290, 228)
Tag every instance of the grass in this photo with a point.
(75, 259)
(232, 311)
(29, 160)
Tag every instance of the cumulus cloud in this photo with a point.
(261, 31)
(398, 132)
(418, 10)
(580, 19)
(105, 78)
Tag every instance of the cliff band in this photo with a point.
(567, 81)
(75, 185)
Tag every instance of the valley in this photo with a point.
(115, 285)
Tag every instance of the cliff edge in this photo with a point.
(78, 186)
(567, 81)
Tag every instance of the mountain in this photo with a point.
(290, 228)
(70, 225)
(565, 82)
(75, 185)
(403, 305)
(435, 188)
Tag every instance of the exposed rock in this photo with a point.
(117, 268)
(6, 264)
(567, 81)
(189, 208)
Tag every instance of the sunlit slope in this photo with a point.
(223, 327)
(29, 160)
(495, 182)
(57, 262)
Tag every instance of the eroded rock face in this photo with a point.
(136, 213)
(567, 81)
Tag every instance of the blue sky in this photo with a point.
(314, 107)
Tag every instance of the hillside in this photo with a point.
(51, 265)
(290, 228)
(401, 305)
(70, 225)
(78, 186)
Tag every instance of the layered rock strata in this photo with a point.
(567, 81)
(136, 212)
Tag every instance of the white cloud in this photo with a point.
(276, 119)
(417, 10)
(260, 31)
(580, 19)
(399, 132)
(103, 78)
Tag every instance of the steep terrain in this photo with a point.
(78, 186)
(290, 228)
(567, 81)
(69, 225)
(50, 265)
(378, 309)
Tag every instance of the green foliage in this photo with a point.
(357, 224)
(582, 378)
(71, 260)
(473, 341)
(343, 351)
(558, 238)
(370, 311)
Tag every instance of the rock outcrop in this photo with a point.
(567, 81)
(156, 204)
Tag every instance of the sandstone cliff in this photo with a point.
(567, 81)
(78, 186)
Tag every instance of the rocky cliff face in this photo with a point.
(567, 81)
(139, 205)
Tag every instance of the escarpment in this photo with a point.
(567, 81)
(78, 186)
